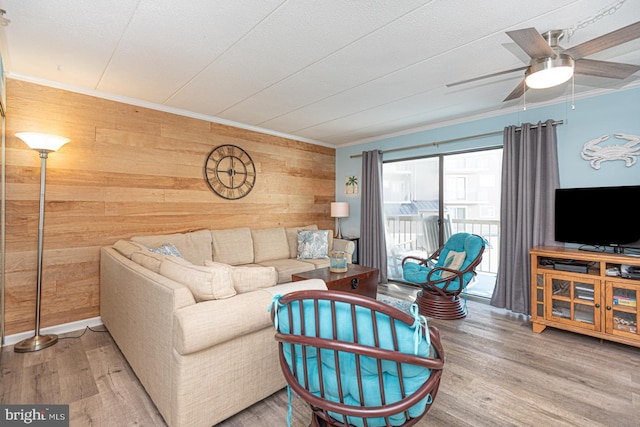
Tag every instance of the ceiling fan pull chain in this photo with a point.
(606, 11)
(573, 98)
(524, 98)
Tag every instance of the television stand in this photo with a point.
(592, 301)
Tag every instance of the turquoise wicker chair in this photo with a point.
(357, 361)
(445, 275)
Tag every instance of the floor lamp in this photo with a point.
(339, 210)
(44, 144)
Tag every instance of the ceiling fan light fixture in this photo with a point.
(548, 72)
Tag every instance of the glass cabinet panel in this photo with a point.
(561, 287)
(583, 313)
(583, 291)
(623, 297)
(622, 309)
(539, 295)
(626, 322)
(561, 309)
(574, 300)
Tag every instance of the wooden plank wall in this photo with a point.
(128, 171)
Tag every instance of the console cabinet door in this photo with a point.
(573, 300)
(621, 315)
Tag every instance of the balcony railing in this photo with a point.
(408, 235)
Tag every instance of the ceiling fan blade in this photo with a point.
(614, 38)
(517, 92)
(530, 40)
(486, 76)
(612, 70)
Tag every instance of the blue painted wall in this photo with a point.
(617, 112)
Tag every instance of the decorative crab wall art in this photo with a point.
(627, 152)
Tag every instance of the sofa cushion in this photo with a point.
(126, 247)
(232, 246)
(292, 238)
(206, 283)
(215, 322)
(194, 246)
(269, 243)
(318, 262)
(287, 288)
(150, 260)
(313, 244)
(247, 279)
(287, 267)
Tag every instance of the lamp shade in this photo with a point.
(42, 141)
(549, 72)
(339, 209)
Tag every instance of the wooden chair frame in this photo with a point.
(436, 300)
(320, 406)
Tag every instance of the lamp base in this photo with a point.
(35, 343)
(339, 232)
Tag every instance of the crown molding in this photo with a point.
(490, 114)
(160, 107)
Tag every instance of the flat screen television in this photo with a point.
(605, 218)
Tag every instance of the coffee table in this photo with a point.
(358, 278)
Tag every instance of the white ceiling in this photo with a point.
(329, 71)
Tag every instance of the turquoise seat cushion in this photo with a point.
(471, 244)
(412, 376)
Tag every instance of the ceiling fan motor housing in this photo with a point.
(553, 37)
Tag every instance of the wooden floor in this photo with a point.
(497, 373)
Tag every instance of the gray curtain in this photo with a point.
(373, 244)
(529, 179)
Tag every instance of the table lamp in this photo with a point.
(339, 210)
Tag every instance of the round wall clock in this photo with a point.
(230, 172)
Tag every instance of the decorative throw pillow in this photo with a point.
(292, 238)
(454, 261)
(167, 249)
(313, 244)
(247, 279)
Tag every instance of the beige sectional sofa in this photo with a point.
(195, 328)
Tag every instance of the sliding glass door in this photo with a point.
(428, 199)
(411, 190)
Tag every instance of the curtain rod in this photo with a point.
(463, 138)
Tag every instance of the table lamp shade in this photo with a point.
(339, 209)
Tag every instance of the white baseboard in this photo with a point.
(58, 330)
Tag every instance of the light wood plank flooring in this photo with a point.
(497, 373)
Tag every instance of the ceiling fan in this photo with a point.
(552, 65)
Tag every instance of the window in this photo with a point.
(470, 202)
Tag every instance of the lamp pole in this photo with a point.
(38, 342)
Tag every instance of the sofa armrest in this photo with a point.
(137, 306)
(344, 245)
